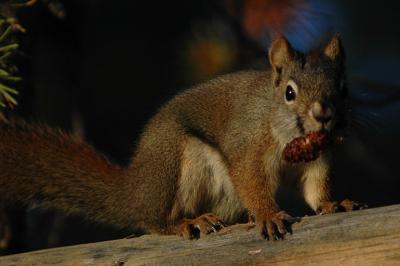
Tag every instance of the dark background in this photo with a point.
(105, 69)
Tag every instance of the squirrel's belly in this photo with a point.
(204, 184)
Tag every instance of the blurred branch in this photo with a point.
(28, 3)
(8, 9)
(56, 8)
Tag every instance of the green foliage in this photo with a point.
(7, 70)
(9, 25)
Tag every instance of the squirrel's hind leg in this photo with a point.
(204, 191)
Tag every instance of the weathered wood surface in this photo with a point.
(367, 237)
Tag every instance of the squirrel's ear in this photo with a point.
(280, 54)
(334, 49)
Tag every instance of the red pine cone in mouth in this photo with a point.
(306, 148)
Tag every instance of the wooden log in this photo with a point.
(367, 237)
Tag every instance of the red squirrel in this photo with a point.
(209, 156)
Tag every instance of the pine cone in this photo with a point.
(305, 148)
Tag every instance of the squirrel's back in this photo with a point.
(211, 108)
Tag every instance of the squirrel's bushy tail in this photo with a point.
(45, 166)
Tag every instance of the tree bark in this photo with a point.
(367, 237)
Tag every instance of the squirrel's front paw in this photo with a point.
(344, 206)
(328, 207)
(349, 205)
(204, 224)
(275, 225)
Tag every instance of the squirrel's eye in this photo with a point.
(291, 91)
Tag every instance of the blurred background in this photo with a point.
(101, 69)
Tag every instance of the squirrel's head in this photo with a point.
(309, 90)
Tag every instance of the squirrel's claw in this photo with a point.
(204, 224)
(275, 226)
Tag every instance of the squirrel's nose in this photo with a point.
(322, 112)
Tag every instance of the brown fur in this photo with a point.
(214, 148)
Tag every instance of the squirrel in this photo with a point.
(208, 157)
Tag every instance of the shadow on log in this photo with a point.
(367, 237)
